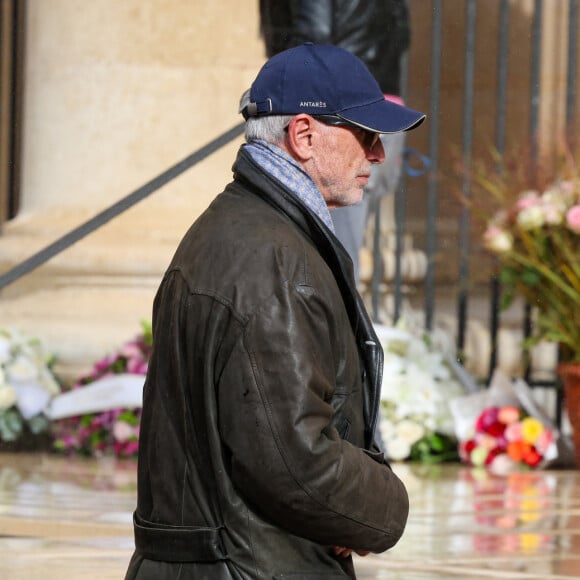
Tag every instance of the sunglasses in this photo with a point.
(369, 138)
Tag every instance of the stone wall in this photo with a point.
(117, 91)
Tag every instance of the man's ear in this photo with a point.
(299, 137)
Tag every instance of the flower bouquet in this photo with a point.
(27, 385)
(416, 422)
(536, 238)
(503, 429)
(508, 436)
(112, 431)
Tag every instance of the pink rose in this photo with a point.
(573, 219)
(527, 199)
(513, 432)
(123, 431)
(486, 419)
(508, 414)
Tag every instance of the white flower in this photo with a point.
(7, 397)
(387, 429)
(553, 211)
(25, 378)
(49, 383)
(398, 449)
(498, 240)
(21, 370)
(5, 349)
(31, 398)
(409, 431)
(531, 217)
(417, 387)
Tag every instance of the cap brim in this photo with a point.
(383, 117)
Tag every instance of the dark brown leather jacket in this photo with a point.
(256, 452)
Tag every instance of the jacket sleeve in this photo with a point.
(276, 398)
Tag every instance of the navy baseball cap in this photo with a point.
(326, 80)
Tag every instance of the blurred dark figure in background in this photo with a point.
(377, 31)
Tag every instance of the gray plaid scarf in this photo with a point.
(280, 165)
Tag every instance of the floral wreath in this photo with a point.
(112, 432)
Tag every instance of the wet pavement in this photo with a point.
(71, 518)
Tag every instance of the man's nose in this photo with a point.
(376, 152)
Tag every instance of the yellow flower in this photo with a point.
(531, 430)
(530, 542)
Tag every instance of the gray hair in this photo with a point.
(270, 128)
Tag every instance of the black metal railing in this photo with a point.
(118, 208)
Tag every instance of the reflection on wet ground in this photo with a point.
(72, 518)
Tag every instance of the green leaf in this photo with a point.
(508, 276)
(119, 366)
(531, 277)
(38, 424)
(507, 299)
(434, 448)
(437, 443)
(10, 425)
(86, 420)
(129, 417)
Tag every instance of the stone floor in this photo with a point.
(69, 519)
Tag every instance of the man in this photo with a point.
(378, 32)
(256, 451)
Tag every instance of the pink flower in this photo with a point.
(137, 366)
(130, 349)
(497, 239)
(487, 441)
(508, 414)
(544, 441)
(573, 219)
(104, 364)
(115, 431)
(527, 199)
(487, 418)
(513, 432)
(122, 431)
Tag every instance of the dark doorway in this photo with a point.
(12, 15)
